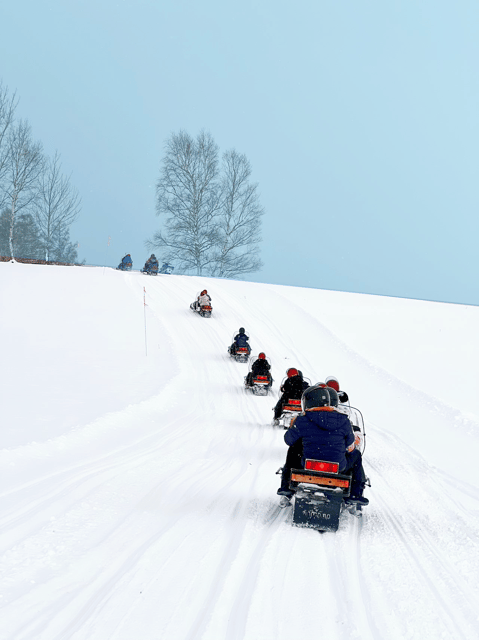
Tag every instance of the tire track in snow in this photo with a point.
(418, 529)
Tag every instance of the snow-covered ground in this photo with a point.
(138, 493)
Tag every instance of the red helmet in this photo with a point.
(204, 292)
(262, 356)
(292, 372)
(333, 383)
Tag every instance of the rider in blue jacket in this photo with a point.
(240, 340)
(322, 433)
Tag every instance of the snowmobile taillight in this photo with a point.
(319, 465)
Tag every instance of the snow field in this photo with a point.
(139, 494)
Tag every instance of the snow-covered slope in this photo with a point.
(138, 495)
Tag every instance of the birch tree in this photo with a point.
(213, 214)
(240, 219)
(7, 110)
(24, 167)
(56, 206)
(188, 195)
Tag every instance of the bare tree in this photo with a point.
(56, 206)
(214, 216)
(240, 220)
(7, 111)
(188, 193)
(24, 166)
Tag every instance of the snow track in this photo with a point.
(160, 518)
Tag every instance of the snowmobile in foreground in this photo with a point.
(321, 494)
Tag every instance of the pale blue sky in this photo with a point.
(360, 119)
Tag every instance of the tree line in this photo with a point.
(37, 201)
(211, 209)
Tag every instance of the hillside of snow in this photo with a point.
(138, 495)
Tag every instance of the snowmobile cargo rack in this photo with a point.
(331, 481)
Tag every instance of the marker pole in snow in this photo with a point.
(144, 314)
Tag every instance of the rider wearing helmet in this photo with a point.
(240, 340)
(332, 382)
(203, 299)
(126, 262)
(151, 264)
(292, 388)
(260, 367)
(322, 433)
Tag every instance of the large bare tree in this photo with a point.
(24, 166)
(240, 219)
(213, 215)
(56, 206)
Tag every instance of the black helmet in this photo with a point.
(317, 396)
(333, 397)
(241, 330)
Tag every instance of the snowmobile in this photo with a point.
(260, 384)
(125, 266)
(204, 310)
(166, 268)
(290, 411)
(322, 493)
(150, 269)
(240, 354)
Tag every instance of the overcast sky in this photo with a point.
(360, 119)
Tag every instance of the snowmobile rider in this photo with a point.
(126, 262)
(322, 433)
(292, 389)
(332, 382)
(343, 407)
(260, 367)
(151, 263)
(202, 300)
(240, 340)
